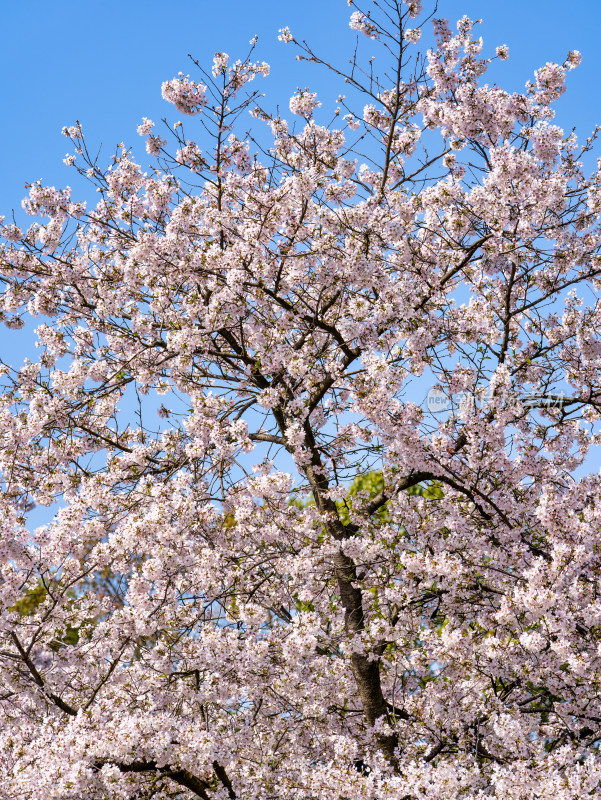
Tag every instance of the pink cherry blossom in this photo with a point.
(284, 35)
(186, 95)
(304, 103)
(299, 492)
(361, 23)
(412, 35)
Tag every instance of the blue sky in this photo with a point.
(103, 63)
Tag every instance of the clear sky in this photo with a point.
(103, 63)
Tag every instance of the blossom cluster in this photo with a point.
(304, 103)
(186, 95)
(239, 556)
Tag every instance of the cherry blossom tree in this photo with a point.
(267, 569)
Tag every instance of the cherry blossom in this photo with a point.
(285, 35)
(241, 555)
(186, 95)
(304, 103)
(412, 35)
(361, 23)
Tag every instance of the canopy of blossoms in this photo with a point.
(267, 570)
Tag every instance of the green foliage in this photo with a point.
(31, 600)
(369, 485)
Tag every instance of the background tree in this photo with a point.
(243, 322)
